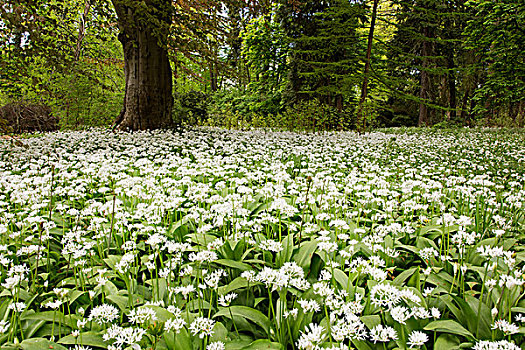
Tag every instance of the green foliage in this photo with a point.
(64, 54)
(191, 108)
(496, 32)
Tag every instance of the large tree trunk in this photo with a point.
(148, 99)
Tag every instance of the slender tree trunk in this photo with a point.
(364, 87)
(425, 80)
(464, 108)
(148, 99)
(82, 29)
(451, 77)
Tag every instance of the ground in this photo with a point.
(214, 239)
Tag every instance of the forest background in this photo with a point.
(289, 64)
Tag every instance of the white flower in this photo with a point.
(124, 336)
(495, 345)
(4, 326)
(385, 295)
(309, 305)
(80, 347)
(506, 327)
(18, 307)
(53, 304)
(417, 338)
(202, 326)
(400, 314)
(292, 313)
(203, 256)
(270, 245)
(218, 345)
(312, 337)
(225, 300)
(174, 325)
(382, 333)
(250, 276)
(142, 315)
(104, 313)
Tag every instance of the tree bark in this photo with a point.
(364, 88)
(425, 80)
(148, 99)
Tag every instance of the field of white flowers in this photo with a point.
(213, 239)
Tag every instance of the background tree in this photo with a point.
(496, 34)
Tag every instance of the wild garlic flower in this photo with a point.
(4, 326)
(104, 313)
(124, 337)
(202, 327)
(18, 307)
(218, 345)
(400, 314)
(495, 345)
(312, 337)
(382, 333)
(385, 295)
(142, 315)
(174, 325)
(417, 339)
(225, 300)
(506, 327)
(309, 305)
(271, 245)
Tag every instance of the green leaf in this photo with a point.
(263, 344)
(86, 339)
(288, 246)
(371, 320)
(239, 282)
(183, 340)
(40, 344)
(403, 276)
(248, 313)
(50, 316)
(233, 264)
(449, 326)
(220, 333)
(342, 279)
(120, 300)
(447, 342)
(33, 327)
(303, 257)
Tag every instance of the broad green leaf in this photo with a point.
(233, 264)
(342, 279)
(449, 326)
(371, 321)
(403, 276)
(86, 339)
(120, 300)
(56, 316)
(237, 344)
(220, 333)
(446, 342)
(248, 313)
(288, 247)
(40, 344)
(239, 282)
(303, 257)
(33, 327)
(263, 344)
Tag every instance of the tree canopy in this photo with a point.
(268, 63)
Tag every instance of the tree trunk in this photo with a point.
(148, 99)
(364, 88)
(425, 80)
